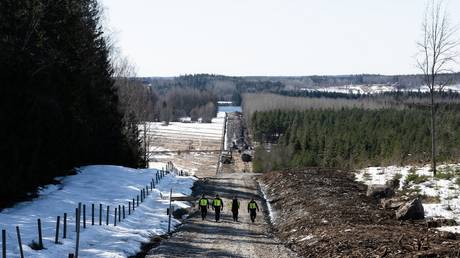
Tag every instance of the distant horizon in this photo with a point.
(268, 37)
(289, 76)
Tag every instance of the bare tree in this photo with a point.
(136, 101)
(437, 54)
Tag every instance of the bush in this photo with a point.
(457, 181)
(415, 178)
(444, 175)
(179, 213)
(35, 246)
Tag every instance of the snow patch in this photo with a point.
(374, 89)
(271, 212)
(107, 185)
(444, 188)
(308, 237)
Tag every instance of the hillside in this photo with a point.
(229, 87)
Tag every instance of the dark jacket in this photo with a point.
(235, 205)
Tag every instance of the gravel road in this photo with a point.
(197, 238)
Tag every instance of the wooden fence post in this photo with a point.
(64, 235)
(92, 214)
(40, 237)
(142, 195)
(84, 216)
(124, 216)
(129, 208)
(107, 219)
(138, 201)
(3, 243)
(100, 214)
(76, 219)
(56, 238)
(21, 252)
(115, 220)
(77, 241)
(170, 211)
(119, 213)
(133, 204)
(71, 256)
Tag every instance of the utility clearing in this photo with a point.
(310, 212)
(326, 213)
(208, 238)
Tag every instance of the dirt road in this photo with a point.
(197, 238)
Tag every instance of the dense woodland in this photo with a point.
(231, 88)
(347, 136)
(59, 108)
(253, 102)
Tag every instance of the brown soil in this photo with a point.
(325, 213)
(207, 238)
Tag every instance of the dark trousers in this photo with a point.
(217, 213)
(235, 215)
(253, 214)
(204, 212)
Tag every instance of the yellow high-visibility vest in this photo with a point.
(203, 202)
(216, 202)
(252, 205)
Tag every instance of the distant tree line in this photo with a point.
(253, 102)
(143, 103)
(230, 87)
(189, 102)
(59, 108)
(352, 137)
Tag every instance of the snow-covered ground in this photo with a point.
(271, 212)
(443, 190)
(188, 131)
(107, 185)
(373, 89)
(178, 136)
(359, 89)
(228, 109)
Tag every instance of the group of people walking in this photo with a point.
(218, 205)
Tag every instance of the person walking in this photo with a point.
(203, 202)
(235, 208)
(217, 206)
(252, 207)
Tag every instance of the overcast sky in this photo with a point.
(269, 37)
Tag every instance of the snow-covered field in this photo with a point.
(107, 185)
(373, 89)
(443, 190)
(199, 136)
(182, 137)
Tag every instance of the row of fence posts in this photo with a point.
(171, 168)
(80, 212)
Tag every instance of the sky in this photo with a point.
(269, 37)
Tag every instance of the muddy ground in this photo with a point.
(325, 213)
(208, 238)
